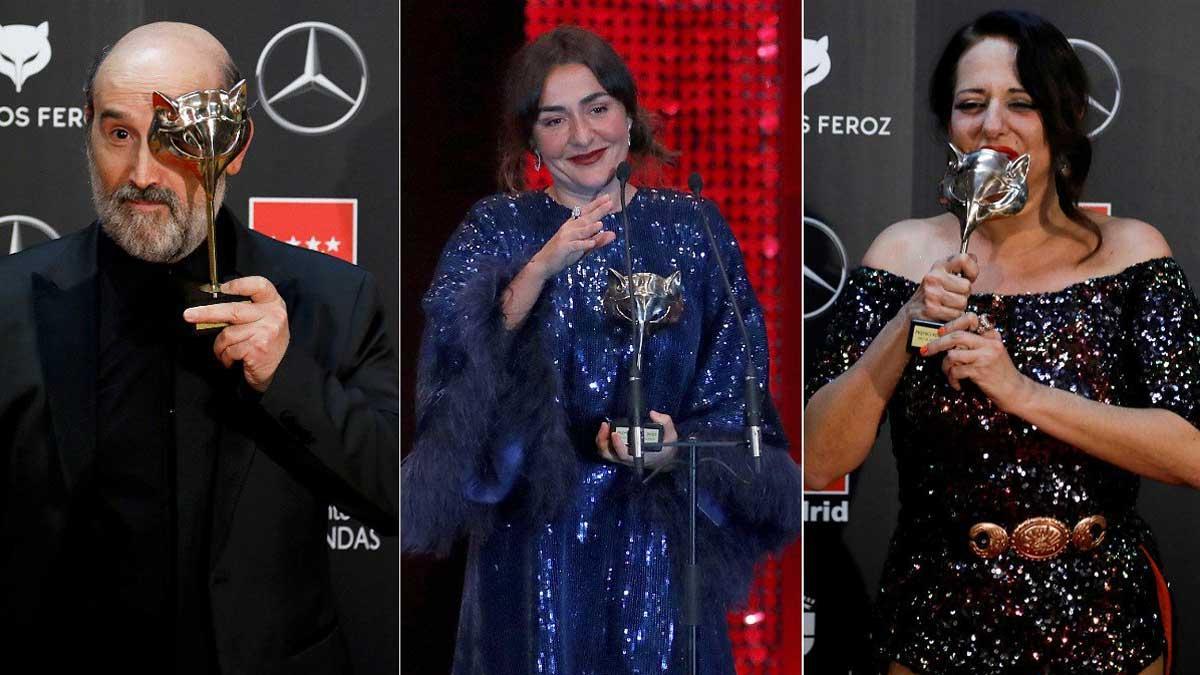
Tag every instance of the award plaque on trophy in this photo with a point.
(987, 183)
(656, 302)
(207, 128)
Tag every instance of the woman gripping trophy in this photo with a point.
(1062, 373)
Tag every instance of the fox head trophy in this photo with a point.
(208, 129)
(656, 300)
(983, 184)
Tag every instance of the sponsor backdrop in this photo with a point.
(873, 156)
(321, 173)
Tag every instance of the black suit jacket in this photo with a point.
(325, 432)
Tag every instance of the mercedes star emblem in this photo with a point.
(311, 79)
(16, 240)
(1107, 111)
(825, 266)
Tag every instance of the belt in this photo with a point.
(1037, 538)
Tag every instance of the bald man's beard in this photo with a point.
(154, 236)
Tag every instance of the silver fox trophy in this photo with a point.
(977, 186)
(207, 128)
(656, 302)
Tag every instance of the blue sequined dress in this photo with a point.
(574, 567)
(1128, 339)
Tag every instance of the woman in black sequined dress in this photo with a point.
(1020, 440)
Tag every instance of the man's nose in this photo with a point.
(145, 167)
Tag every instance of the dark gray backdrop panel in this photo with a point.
(43, 174)
(1139, 166)
(854, 183)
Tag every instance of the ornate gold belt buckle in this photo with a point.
(988, 540)
(1040, 538)
(1037, 538)
(1089, 532)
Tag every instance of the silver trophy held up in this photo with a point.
(207, 128)
(656, 301)
(978, 186)
(981, 185)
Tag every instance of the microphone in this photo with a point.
(623, 172)
(753, 404)
(635, 369)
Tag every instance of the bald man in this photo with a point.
(164, 496)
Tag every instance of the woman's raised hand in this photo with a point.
(943, 292)
(578, 235)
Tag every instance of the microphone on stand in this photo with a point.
(753, 403)
(635, 368)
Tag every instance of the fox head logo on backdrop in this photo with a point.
(816, 62)
(24, 50)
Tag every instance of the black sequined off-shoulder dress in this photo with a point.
(1128, 339)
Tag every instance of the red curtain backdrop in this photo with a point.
(712, 73)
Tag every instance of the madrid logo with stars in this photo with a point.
(326, 225)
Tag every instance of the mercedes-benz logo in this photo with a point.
(809, 623)
(1100, 81)
(825, 266)
(20, 226)
(311, 78)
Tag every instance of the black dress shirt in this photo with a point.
(142, 546)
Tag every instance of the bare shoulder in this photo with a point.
(1129, 241)
(910, 247)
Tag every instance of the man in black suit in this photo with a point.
(163, 496)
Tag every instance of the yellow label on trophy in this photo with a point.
(921, 333)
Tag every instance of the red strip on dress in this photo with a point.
(1164, 605)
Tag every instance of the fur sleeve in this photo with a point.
(489, 434)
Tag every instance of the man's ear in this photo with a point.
(236, 165)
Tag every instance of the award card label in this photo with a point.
(921, 332)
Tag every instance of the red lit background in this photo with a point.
(715, 75)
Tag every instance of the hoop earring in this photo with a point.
(1064, 167)
(537, 166)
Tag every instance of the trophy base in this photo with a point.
(200, 296)
(920, 333)
(652, 434)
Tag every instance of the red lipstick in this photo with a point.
(1012, 154)
(588, 158)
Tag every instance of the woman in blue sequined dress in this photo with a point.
(575, 565)
(1020, 439)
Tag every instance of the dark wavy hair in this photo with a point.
(1050, 71)
(523, 90)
